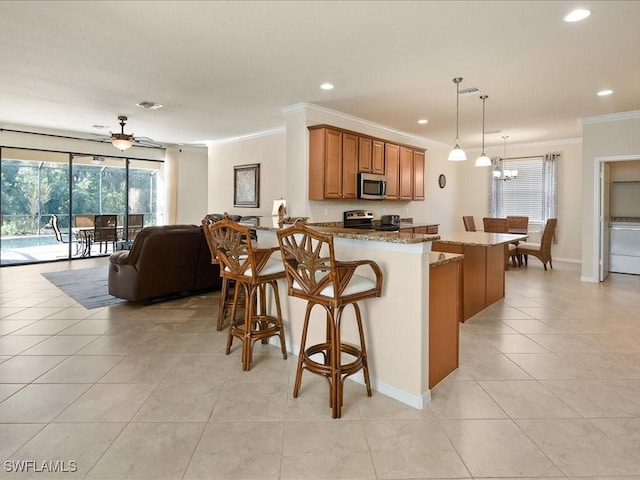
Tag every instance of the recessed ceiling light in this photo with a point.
(604, 93)
(577, 15)
(149, 105)
(423, 121)
(326, 86)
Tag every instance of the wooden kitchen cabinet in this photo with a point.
(371, 156)
(418, 175)
(349, 165)
(444, 316)
(405, 174)
(333, 161)
(336, 156)
(392, 159)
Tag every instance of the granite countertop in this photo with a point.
(440, 258)
(480, 239)
(338, 231)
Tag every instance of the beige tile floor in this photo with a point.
(548, 386)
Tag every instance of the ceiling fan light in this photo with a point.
(121, 141)
(483, 161)
(457, 154)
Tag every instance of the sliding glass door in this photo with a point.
(58, 205)
(35, 206)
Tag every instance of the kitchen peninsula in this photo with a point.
(483, 266)
(397, 324)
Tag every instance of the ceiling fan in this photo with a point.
(123, 141)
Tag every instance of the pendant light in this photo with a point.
(457, 154)
(483, 160)
(505, 174)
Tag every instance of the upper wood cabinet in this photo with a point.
(336, 156)
(333, 160)
(371, 156)
(392, 159)
(418, 175)
(406, 173)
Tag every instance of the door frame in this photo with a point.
(597, 224)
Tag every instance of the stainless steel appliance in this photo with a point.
(362, 219)
(372, 186)
(625, 247)
(389, 223)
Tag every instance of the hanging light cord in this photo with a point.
(484, 98)
(457, 80)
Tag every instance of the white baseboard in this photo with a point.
(584, 278)
(568, 260)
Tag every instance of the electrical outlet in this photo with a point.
(384, 210)
(326, 212)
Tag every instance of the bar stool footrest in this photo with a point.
(325, 369)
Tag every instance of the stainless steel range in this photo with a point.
(362, 219)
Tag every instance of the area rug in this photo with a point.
(87, 286)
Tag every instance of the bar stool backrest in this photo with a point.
(239, 259)
(313, 272)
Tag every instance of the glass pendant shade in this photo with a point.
(483, 161)
(457, 154)
(121, 142)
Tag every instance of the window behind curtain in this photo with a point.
(533, 193)
(523, 195)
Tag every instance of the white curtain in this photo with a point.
(171, 182)
(550, 189)
(495, 190)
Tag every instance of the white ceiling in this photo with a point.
(225, 69)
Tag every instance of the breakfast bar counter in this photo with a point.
(396, 325)
(483, 266)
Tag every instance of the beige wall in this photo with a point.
(474, 196)
(192, 185)
(605, 138)
(268, 151)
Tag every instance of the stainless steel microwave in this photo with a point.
(372, 186)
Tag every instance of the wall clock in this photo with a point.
(442, 180)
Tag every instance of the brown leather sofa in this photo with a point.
(164, 261)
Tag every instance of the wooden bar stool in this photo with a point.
(314, 275)
(252, 269)
(228, 286)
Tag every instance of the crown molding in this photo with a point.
(329, 116)
(610, 117)
(248, 136)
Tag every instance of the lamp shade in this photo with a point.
(483, 161)
(121, 142)
(457, 154)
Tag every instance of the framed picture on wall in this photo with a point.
(246, 185)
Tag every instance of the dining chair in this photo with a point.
(469, 223)
(105, 230)
(135, 223)
(501, 225)
(518, 224)
(541, 250)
